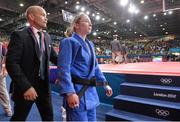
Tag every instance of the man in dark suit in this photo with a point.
(27, 63)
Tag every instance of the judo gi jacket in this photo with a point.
(77, 57)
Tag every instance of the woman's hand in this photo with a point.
(109, 91)
(73, 100)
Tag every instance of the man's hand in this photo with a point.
(109, 91)
(30, 94)
(73, 100)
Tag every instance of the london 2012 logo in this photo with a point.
(166, 80)
(161, 112)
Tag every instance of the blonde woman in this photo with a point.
(79, 73)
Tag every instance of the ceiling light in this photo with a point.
(170, 12)
(93, 14)
(66, 2)
(163, 29)
(154, 15)
(94, 33)
(115, 23)
(77, 2)
(165, 13)
(142, 1)
(124, 2)
(48, 13)
(146, 17)
(21, 4)
(166, 33)
(136, 11)
(87, 12)
(77, 7)
(140, 35)
(135, 32)
(133, 9)
(82, 9)
(103, 19)
(27, 24)
(97, 17)
(70, 17)
(127, 21)
(0, 19)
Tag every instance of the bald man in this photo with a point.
(28, 56)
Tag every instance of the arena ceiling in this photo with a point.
(151, 19)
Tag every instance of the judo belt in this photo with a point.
(86, 83)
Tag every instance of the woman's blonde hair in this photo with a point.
(68, 32)
(76, 20)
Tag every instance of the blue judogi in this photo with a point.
(77, 57)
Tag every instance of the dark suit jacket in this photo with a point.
(23, 61)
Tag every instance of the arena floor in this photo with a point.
(149, 68)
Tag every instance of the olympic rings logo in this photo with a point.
(162, 112)
(166, 80)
